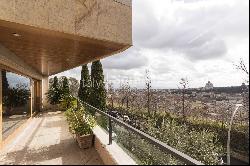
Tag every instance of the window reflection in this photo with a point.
(16, 101)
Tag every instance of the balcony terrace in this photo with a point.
(42, 38)
(46, 140)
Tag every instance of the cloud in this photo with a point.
(211, 49)
(130, 59)
(174, 39)
(145, 24)
(198, 33)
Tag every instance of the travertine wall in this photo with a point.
(125, 2)
(110, 154)
(98, 19)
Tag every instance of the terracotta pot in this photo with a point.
(85, 141)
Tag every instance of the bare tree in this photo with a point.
(242, 67)
(184, 85)
(134, 98)
(138, 99)
(111, 93)
(126, 92)
(148, 91)
(73, 86)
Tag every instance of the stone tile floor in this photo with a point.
(11, 123)
(47, 141)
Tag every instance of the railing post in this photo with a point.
(110, 131)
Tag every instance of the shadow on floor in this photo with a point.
(60, 150)
(67, 152)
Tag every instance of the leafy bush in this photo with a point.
(80, 122)
(101, 120)
(17, 96)
(142, 151)
(239, 138)
(202, 146)
(239, 133)
(68, 102)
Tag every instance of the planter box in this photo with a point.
(85, 141)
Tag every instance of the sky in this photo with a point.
(199, 40)
(15, 79)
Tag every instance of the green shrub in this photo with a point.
(68, 102)
(239, 138)
(202, 146)
(54, 93)
(239, 133)
(80, 122)
(142, 151)
(101, 120)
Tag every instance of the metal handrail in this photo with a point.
(183, 157)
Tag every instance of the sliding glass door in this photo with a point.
(16, 102)
(20, 98)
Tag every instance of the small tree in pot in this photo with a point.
(81, 124)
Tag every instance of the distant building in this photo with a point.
(209, 86)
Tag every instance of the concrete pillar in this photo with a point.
(45, 88)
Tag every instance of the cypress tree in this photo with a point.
(54, 93)
(65, 87)
(57, 93)
(98, 92)
(84, 90)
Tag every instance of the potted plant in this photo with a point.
(67, 102)
(81, 125)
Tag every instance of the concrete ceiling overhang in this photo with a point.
(51, 52)
(52, 36)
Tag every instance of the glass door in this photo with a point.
(16, 95)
